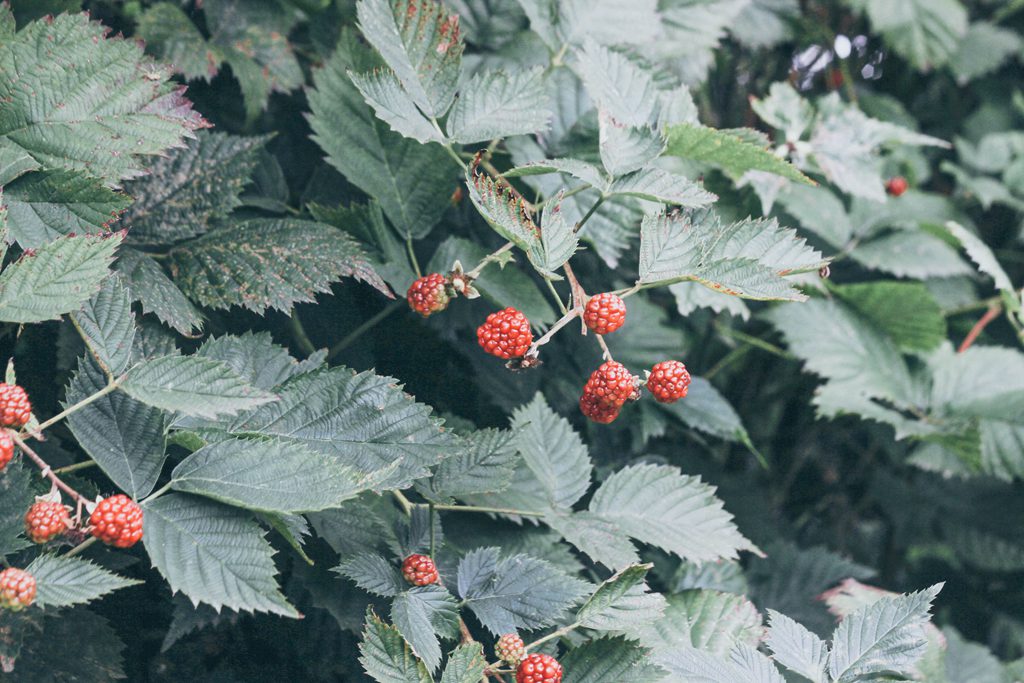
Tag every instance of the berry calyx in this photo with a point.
(510, 648)
(597, 410)
(15, 409)
(604, 313)
(17, 589)
(896, 185)
(612, 384)
(46, 520)
(429, 294)
(6, 448)
(539, 668)
(419, 570)
(117, 521)
(668, 381)
(505, 334)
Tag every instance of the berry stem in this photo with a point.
(156, 494)
(604, 347)
(972, 336)
(478, 508)
(430, 521)
(588, 214)
(76, 407)
(47, 472)
(554, 634)
(81, 547)
(404, 502)
(562, 322)
(300, 335)
(490, 258)
(74, 468)
(558, 299)
(412, 256)
(364, 327)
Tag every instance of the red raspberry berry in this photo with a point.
(669, 381)
(605, 313)
(46, 520)
(510, 648)
(429, 294)
(17, 589)
(539, 668)
(117, 521)
(597, 410)
(419, 570)
(15, 410)
(896, 185)
(6, 448)
(612, 384)
(505, 334)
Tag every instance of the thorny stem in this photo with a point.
(363, 328)
(972, 336)
(47, 471)
(76, 407)
(81, 546)
(490, 258)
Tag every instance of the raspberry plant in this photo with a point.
(708, 364)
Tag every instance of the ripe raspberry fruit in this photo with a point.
(505, 334)
(15, 410)
(6, 448)
(46, 520)
(612, 385)
(539, 668)
(896, 185)
(597, 410)
(604, 313)
(117, 521)
(17, 589)
(669, 381)
(419, 570)
(510, 648)
(429, 294)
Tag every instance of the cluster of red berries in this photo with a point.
(612, 385)
(419, 570)
(17, 589)
(896, 185)
(15, 409)
(116, 521)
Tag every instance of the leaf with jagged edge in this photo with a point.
(411, 181)
(911, 253)
(420, 41)
(107, 324)
(423, 615)
(44, 206)
(191, 188)
(502, 207)
(99, 651)
(171, 36)
(796, 648)
(609, 660)
(619, 86)
(925, 32)
(753, 665)
(985, 382)
(659, 505)
(905, 311)
(57, 278)
(704, 619)
(482, 462)
(466, 664)
(984, 48)
(498, 104)
(657, 185)
(582, 170)
(622, 604)
(982, 255)
(16, 496)
(187, 618)
(192, 385)
(558, 241)
(65, 581)
(728, 151)
(264, 263)
(599, 538)
(386, 656)
(268, 475)
(624, 148)
(373, 574)
(213, 553)
(749, 258)
(120, 107)
(157, 293)
(392, 104)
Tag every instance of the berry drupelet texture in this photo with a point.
(117, 521)
(17, 589)
(6, 448)
(605, 313)
(429, 294)
(419, 570)
(46, 520)
(505, 334)
(669, 381)
(510, 648)
(539, 668)
(15, 409)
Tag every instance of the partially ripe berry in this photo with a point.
(15, 410)
(605, 313)
(896, 185)
(510, 648)
(6, 448)
(419, 570)
(429, 294)
(46, 520)
(612, 384)
(669, 381)
(117, 521)
(17, 589)
(505, 334)
(597, 410)
(539, 668)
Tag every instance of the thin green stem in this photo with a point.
(412, 256)
(554, 634)
(74, 468)
(81, 547)
(490, 258)
(403, 501)
(588, 214)
(76, 407)
(727, 360)
(447, 145)
(299, 334)
(554, 293)
(567, 193)
(754, 341)
(364, 327)
(496, 511)
(156, 494)
(430, 521)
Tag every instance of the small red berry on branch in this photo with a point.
(613, 384)
(429, 294)
(539, 668)
(46, 520)
(597, 410)
(668, 381)
(896, 185)
(117, 521)
(505, 334)
(17, 589)
(510, 648)
(15, 409)
(419, 570)
(605, 313)
(6, 448)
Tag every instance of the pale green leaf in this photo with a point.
(65, 581)
(904, 311)
(483, 462)
(558, 241)
(925, 32)
(657, 185)
(588, 173)
(496, 104)
(421, 615)
(626, 148)
(599, 538)
(796, 648)
(151, 286)
(622, 604)
(618, 86)
(503, 208)
(392, 104)
(107, 324)
(374, 574)
(609, 660)
(728, 151)
(984, 48)
(707, 620)
(911, 253)
(980, 253)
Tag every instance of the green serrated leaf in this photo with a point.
(423, 614)
(622, 604)
(466, 664)
(151, 286)
(925, 32)
(625, 149)
(387, 657)
(212, 553)
(657, 185)
(503, 208)
(729, 152)
(483, 463)
(905, 311)
(65, 581)
(609, 660)
(558, 241)
(619, 86)
(374, 574)
(393, 105)
(172, 36)
(107, 324)
(498, 104)
(796, 648)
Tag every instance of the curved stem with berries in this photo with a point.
(490, 258)
(47, 470)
